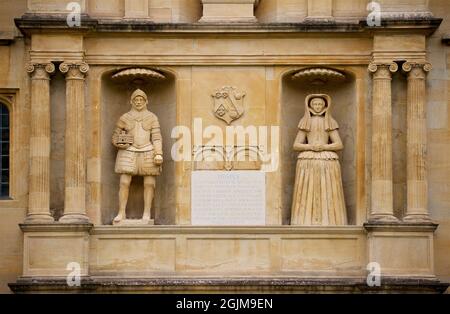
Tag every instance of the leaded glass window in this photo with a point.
(4, 150)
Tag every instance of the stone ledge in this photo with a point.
(56, 227)
(401, 226)
(98, 230)
(446, 39)
(30, 23)
(232, 285)
(6, 38)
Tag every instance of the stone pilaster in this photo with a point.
(40, 139)
(75, 152)
(417, 186)
(382, 206)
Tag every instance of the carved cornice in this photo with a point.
(34, 23)
(235, 59)
(40, 71)
(74, 71)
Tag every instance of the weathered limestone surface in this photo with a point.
(417, 202)
(235, 285)
(438, 130)
(39, 191)
(227, 11)
(382, 187)
(411, 182)
(75, 145)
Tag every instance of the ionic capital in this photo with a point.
(417, 70)
(40, 71)
(74, 71)
(383, 70)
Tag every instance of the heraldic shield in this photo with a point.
(228, 104)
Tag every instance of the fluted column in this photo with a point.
(417, 186)
(382, 208)
(75, 155)
(40, 139)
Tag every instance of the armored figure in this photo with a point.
(138, 138)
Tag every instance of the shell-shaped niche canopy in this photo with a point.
(319, 76)
(138, 76)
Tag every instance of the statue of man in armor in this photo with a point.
(138, 138)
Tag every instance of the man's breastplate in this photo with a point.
(141, 138)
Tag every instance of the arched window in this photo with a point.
(4, 150)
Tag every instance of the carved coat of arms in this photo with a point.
(228, 104)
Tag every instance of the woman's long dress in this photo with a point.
(318, 194)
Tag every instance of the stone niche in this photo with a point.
(115, 102)
(344, 111)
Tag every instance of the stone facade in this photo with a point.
(393, 110)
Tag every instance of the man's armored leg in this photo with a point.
(125, 181)
(149, 193)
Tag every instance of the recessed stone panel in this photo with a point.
(217, 255)
(321, 254)
(134, 255)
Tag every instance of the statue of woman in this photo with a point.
(318, 194)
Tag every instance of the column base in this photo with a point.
(39, 219)
(424, 219)
(383, 218)
(74, 219)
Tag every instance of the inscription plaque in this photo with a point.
(228, 198)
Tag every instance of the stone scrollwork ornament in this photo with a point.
(417, 68)
(74, 71)
(81, 67)
(228, 104)
(40, 70)
(383, 68)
